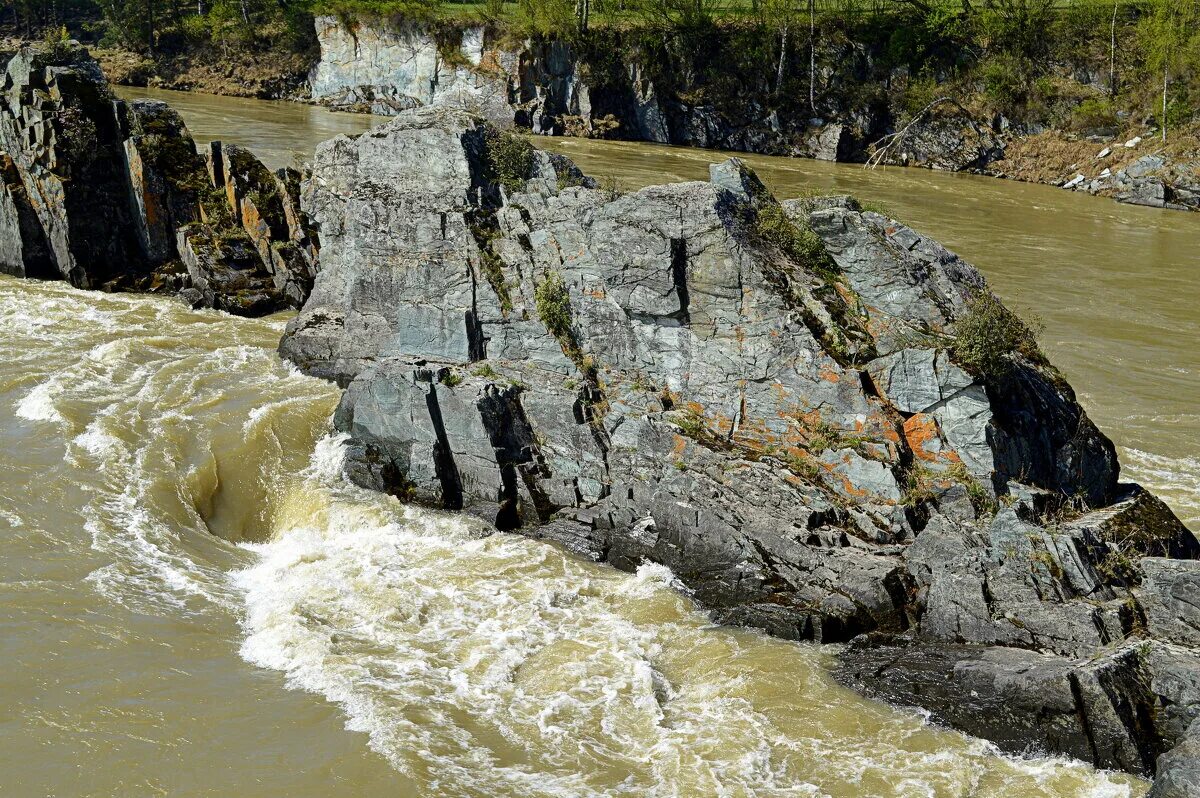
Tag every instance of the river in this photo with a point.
(179, 549)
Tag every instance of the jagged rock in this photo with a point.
(1179, 769)
(1099, 710)
(226, 270)
(764, 398)
(167, 178)
(1170, 595)
(57, 123)
(109, 194)
(949, 140)
(23, 250)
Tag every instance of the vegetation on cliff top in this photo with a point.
(1081, 64)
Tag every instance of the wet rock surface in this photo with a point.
(113, 195)
(784, 403)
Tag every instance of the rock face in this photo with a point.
(548, 87)
(948, 140)
(613, 86)
(388, 70)
(784, 403)
(109, 194)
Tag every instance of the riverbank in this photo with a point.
(962, 91)
(264, 74)
(863, 109)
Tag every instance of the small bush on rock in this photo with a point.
(1093, 113)
(797, 242)
(554, 305)
(988, 334)
(510, 156)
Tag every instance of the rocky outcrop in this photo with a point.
(387, 70)
(549, 87)
(819, 419)
(112, 194)
(1151, 180)
(949, 140)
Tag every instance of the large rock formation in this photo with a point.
(820, 420)
(109, 194)
(549, 87)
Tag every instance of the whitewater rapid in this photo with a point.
(175, 487)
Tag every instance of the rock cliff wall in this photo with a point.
(550, 87)
(614, 85)
(113, 195)
(819, 419)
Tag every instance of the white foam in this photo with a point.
(38, 404)
(1175, 479)
(500, 666)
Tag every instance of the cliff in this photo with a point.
(723, 88)
(820, 420)
(113, 195)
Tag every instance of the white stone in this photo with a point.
(1133, 142)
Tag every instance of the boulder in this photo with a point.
(768, 399)
(112, 194)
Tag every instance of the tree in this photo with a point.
(1171, 40)
(778, 16)
(1112, 52)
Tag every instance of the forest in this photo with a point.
(1010, 55)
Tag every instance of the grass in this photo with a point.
(987, 336)
(510, 157)
(796, 241)
(918, 487)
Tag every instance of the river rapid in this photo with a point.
(177, 548)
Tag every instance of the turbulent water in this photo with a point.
(177, 548)
(172, 501)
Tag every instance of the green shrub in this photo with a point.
(1004, 82)
(510, 157)
(1093, 113)
(554, 305)
(988, 333)
(798, 242)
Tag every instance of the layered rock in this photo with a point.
(112, 194)
(387, 70)
(946, 139)
(548, 87)
(787, 404)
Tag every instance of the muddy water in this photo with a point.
(280, 133)
(145, 655)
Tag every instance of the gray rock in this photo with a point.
(1179, 770)
(74, 150)
(1170, 596)
(667, 376)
